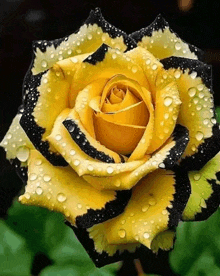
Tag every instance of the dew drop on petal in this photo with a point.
(61, 197)
(168, 101)
(110, 170)
(58, 137)
(192, 91)
(199, 136)
(193, 75)
(197, 176)
(23, 154)
(44, 63)
(90, 168)
(72, 152)
(122, 233)
(164, 212)
(146, 235)
(76, 162)
(145, 208)
(33, 176)
(152, 201)
(177, 46)
(154, 66)
(39, 191)
(46, 178)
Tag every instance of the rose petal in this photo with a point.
(162, 42)
(165, 96)
(165, 158)
(62, 190)
(197, 110)
(161, 198)
(82, 160)
(89, 37)
(45, 91)
(106, 63)
(205, 191)
(120, 138)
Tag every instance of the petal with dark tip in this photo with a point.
(155, 208)
(205, 191)
(62, 190)
(166, 158)
(88, 38)
(196, 111)
(79, 160)
(162, 42)
(45, 91)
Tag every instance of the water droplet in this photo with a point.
(146, 235)
(9, 136)
(192, 91)
(89, 36)
(110, 170)
(148, 61)
(193, 148)
(168, 101)
(76, 162)
(72, 152)
(27, 196)
(162, 165)
(193, 75)
(58, 137)
(39, 191)
(205, 121)
(145, 208)
(33, 176)
(44, 63)
(134, 69)
(199, 136)
(90, 168)
(197, 176)
(154, 66)
(23, 154)
(46, 178)
(71, 128)
(213, 120)
(79, 206)
(114, 56)
(61, 197)
(38, 162)
(200, 87)
(152, 201)
(122, 233)
(196, 100)
(74, 60)
(177, 46)
(177, 74)
(136, 238)
(164, 212)
(166, 116)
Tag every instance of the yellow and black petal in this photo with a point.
(62, 190)
(205, 191)
(149, 219)
(88, 38)
(162, 42)
(43, 92)
(197, 110)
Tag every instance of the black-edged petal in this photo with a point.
(194, 80)
(205, 191)
(88, 38)
(162, 42)
(62, 190)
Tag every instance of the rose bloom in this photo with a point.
(118, 133)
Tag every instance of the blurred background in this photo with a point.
(30, 239)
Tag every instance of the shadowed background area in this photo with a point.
(23, 21)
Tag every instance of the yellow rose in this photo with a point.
(118, 133)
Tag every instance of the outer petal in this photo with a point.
(62, 190)
(162, 42)
(205, 195)
(156, 205)
(44, 91)
(197, 110)
(165, 158)
(88, 38)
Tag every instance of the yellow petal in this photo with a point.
(85, 158)
(16, 143)
(90, 37)
(196, 112)
(119, 138)
(106, 63)
(205, 189)
(165, 158)
(162, 42)
(149, 212)
(62, 190)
